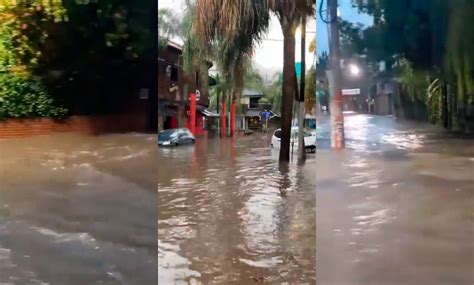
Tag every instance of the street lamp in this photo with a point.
(354, 69)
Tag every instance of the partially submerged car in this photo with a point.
(309, 139)
(175, 137)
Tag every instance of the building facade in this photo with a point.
(174, 88)
(381, 97)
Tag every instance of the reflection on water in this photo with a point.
(78, 210)
(395, 207)
(228, 214)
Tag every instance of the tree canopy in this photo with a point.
(424, 40)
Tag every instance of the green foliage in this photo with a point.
(253, 80)
(460, 55)
(274, 92)
(430, 39)
(416, 81)
(220, 90)
(89, 53)
(22, 97)
(310, 90)
(23, 31)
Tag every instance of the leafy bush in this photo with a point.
(23, 97)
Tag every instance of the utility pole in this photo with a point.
(334, 77)
(301, 146)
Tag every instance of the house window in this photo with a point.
(253, 103)
(174, 74)
(143, 93)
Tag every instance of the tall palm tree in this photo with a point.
(238, 25)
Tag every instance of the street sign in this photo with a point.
(298, 69)
(266, 114)
(351, 91)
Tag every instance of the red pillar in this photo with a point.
(232, 118)
(223, 119)
(192, 113)
(173, 122)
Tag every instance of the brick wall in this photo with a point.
(15, 128)
(173, 56)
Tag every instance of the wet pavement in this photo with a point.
(395, 207)
(78, 210)
(229, 214)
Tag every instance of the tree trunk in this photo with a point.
(288, 91)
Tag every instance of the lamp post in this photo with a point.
(334, 77)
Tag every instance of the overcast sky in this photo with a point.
(269, 54)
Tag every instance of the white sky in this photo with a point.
(269, 54)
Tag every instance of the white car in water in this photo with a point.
(309, 139)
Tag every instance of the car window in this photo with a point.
(167, 134)
(311, 123)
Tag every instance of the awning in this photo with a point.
(252, 93)
(252, 113)
(206, 112)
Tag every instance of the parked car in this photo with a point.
(309, 139)
(175, 137)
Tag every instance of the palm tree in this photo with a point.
(237, 25)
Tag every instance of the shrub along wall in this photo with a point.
(21, 96)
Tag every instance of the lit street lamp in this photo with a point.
(354, 69)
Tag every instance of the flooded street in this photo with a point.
(395, 207)
(78, 210)
(228, 214)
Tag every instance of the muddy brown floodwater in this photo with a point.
(228, 214)
(396, 207)
(78, 210)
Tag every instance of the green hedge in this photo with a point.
(23, 97)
